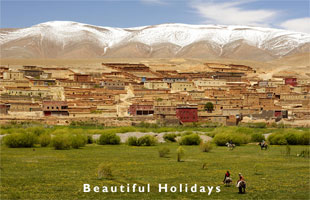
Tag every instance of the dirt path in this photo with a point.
(158, 136)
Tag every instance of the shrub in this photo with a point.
(192, 139)
(257, 137)
(78, 141)
(132, 141)
(180, 154)
(147, 140)
(61, 142)
(305, 138)
(104, 171)
(256, 125)
(163, 151)
(45, 139)
(17, 140)
(292, 138)
(109, 138)
(38, 130)
(170, 137)
(206, 146)
(277, 139)
(222, 138)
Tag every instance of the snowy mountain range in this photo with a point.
(65, 39)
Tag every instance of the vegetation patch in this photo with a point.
(109, 138)
(170, 137)
(192, 139)
(22, 139)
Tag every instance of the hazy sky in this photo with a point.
(286, 14)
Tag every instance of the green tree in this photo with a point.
(209, 107)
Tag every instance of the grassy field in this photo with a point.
(45, 173)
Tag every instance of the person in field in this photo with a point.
(241, 184)
(227, 179)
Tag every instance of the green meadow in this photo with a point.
(45, 173)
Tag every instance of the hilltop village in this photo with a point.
(130, 93)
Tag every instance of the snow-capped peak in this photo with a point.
(280, 42)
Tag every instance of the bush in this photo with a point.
(147, 140)
(109, 138)
(78, 141)
(257, 137)
(61, 142)
(17, 140)
(38, 130)
(277, 138)
(292, 138)
(132, 141)
(206, 146)
(180, 154)
(305, 138)
(192, 139)
(163, 151)
(170, 137)
(222, 138)
(256, 125)
(104, 171)
(45, 139)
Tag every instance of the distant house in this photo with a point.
(187, 113)
(291, 81)
(141, 109)
(81, 78)
(4, 108)
(55, 108)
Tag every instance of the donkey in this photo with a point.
(230, 146)
(263, 146)
(241, 185)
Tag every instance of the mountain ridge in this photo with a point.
(66, 39)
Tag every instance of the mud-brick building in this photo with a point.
(165, 108)
(156, 85)
(173, 79)
(290, 81)
(112, 84)
(145, 108)
(32, 71)
(187, 113)
(4, 108)
(183, 86)
(44, 82)
(55, 108)
(24, 107)
(13, 75)
(82, 78)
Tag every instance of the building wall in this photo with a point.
(183, 86)
(11, 75)
(187, 114)
(156, 85)
(210, 82)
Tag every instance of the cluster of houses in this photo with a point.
(137, 92)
